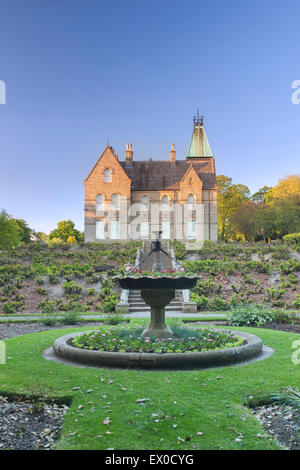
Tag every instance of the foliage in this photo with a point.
(114, 319)
(249, 315)
(288, 396)
(64, 230)
(292, 238)
(71, 288)
(24, 230)
(70, 319)
(201, 301)
(230, 197)
(49, 321)
(9, 231)
(179, 249)
(130, 340)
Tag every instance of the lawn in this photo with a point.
(104, 413)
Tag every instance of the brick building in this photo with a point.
(132, 199)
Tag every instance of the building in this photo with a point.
(134, 199)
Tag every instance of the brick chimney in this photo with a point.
(172, 154)
(129, 153)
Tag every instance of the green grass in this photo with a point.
(209, 401)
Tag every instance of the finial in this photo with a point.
(198, 119)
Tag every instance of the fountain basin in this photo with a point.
(187, 360)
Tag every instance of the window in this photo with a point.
(114, 229)
(144, 229)
(99, 202)
(191, 202)
(145, 203)
(107, 175)
(114, 202)
(100, 229)
(165, 227)
(165, 203)
(191, 229)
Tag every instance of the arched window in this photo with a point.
(145, 203)
(99, 202)
(114, 202)
(107, 175)
(191, 202)
(165, 203)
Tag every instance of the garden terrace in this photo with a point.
(42, 278)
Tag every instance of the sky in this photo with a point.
(79, 73)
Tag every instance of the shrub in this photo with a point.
(296, 302)
(249, 315)
(201, 301)
(91, 291)
(41, 291)
(282, 316)
(110, 305)
(49, 321)
(9, 307)
(71, 288)
(70, 319)
(114, 319)
(292, 238)
(220, 304)
(47, 306)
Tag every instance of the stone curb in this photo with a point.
(203, 359)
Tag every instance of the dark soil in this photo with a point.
(283, 423)
(292, 328)
(28, 425)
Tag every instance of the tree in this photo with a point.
(243, 220)
(9, 231)
(286, 187)
(64, 230)
(260, 196)
(24, 230)
(265, 222)
(230, 197)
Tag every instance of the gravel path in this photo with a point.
(10, 330)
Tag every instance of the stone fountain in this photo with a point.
(158, 290)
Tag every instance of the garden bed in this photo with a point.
(282, 422)
(29, 425)
(63, 347)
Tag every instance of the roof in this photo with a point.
(199, 146)
(158, 175)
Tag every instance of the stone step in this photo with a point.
(147, 309)
(142, 304)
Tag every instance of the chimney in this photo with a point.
(128, 152)
(173, 154)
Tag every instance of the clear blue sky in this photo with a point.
(79, 72)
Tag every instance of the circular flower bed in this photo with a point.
(130, 340)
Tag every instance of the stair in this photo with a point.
(136, 303)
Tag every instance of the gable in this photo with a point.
(120, 182)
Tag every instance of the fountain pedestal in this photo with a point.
(157, 299)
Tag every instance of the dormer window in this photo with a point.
(107, 175)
